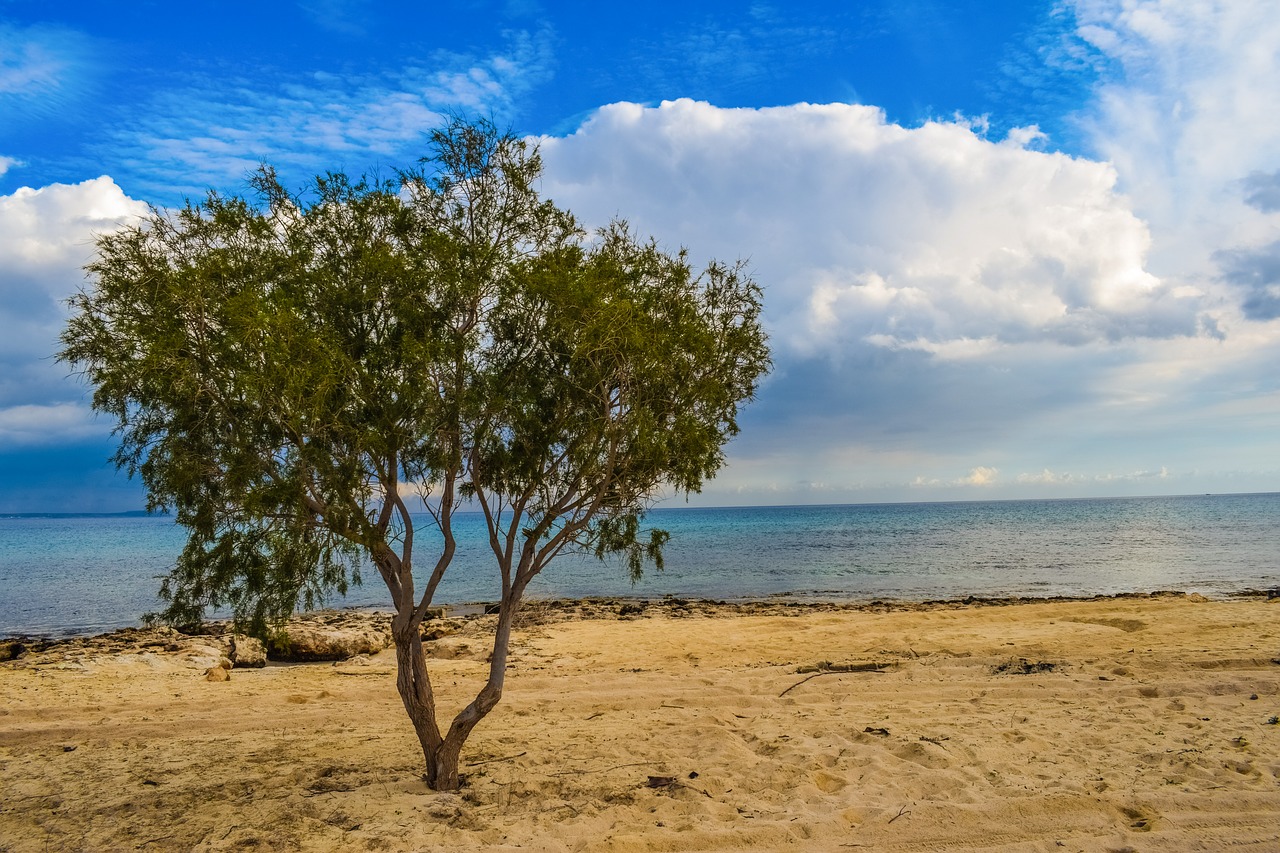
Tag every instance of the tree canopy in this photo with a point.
(289, 374)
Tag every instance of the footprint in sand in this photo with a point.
(828, 783)
(923, 755)
(1138, 821)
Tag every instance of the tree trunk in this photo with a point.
(414, 686)
(443, 754)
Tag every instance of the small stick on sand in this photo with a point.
(842, 669)
(492, 760)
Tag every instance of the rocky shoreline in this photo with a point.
(337, 635)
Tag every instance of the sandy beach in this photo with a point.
(1132, 723)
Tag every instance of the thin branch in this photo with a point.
(445, 522)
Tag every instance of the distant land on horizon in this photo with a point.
(141, 513)
(134, 513)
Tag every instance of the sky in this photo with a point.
(1009, 248)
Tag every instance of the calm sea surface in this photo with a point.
(76, 575)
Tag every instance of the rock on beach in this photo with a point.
(330, 636)
(248, 652)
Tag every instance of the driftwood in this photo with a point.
(828, 668)
(673, 782)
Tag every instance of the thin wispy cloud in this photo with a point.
(1066, 478)
(341, 16)
(44, 70)
(727, 58)
(1047, 78)
(215, 130)
(737, 55)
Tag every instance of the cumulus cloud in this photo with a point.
(46, 237)
(933, 295)
(980, 476)
(869, 234)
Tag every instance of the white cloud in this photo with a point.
(33, 425)
(46, 237)
(1189, 118)
(1047, 477)
(981, 476)
(7, 163)
(934, 296)
(868, 234)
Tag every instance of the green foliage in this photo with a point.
(282, 369)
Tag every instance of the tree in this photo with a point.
(287, 372)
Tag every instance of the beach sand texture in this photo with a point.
(1119, 724)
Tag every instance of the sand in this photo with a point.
(1119, 724)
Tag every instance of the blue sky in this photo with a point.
(1009, 249)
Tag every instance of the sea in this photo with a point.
(67, 575)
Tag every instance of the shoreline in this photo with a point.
(601, 607)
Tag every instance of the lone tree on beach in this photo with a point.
(287, 373)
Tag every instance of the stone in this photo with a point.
(248, 651)
(10, 649)
(330, 638)
(457, 648)
(202, 656)
(217, 673)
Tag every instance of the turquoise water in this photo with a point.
(89, 574)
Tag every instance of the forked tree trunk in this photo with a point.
(415, 692)
(443, 753)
